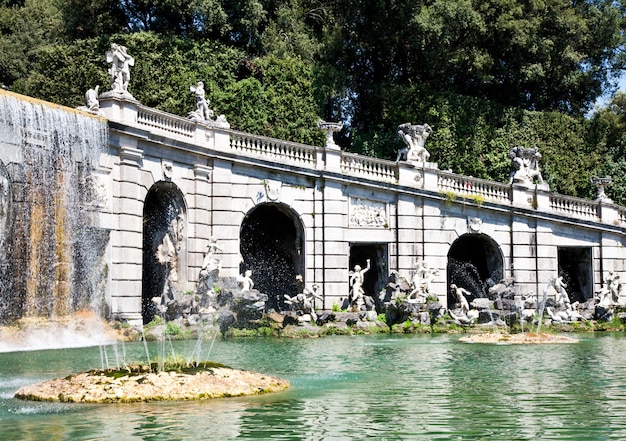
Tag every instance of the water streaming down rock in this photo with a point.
(51, 247)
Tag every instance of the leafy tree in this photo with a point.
(24, 28)
(62, 73)
(290, 31)
(92, 18)
(608, 133)
(194, 19)
(544, 55)
(276, 100)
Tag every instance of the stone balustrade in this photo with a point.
(166, 122)
(470, 186)
(273, 149)
(368, 167)
(428, 177)
(575, 207)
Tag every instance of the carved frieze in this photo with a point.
(368, 213)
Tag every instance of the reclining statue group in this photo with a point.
(409, 298)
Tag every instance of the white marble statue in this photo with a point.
(304, 302)
(609, 295)
(245, 281)
(460, 295)
(357, 277)
(421, 281)
(414, 138)
(211, 261)
(525, 165)
(555, 289)
(209, 273)
(562, 298)
(167, 253)
(202, 112)
(91, 100)
(560, 315)
(564, 310)
(120, 67)
(464, 319)
(462, 315)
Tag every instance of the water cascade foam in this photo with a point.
(51, 247)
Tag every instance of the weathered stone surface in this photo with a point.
(97, 387)
(324, 318)
(276, 317)
(290, 318)
(481, 303)
(225, 319)
(488, 316)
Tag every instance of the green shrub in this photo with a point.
(172, 329)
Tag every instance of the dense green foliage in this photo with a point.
(487, 75)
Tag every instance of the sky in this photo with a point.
(604, 99)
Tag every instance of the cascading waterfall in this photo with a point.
(51, 254)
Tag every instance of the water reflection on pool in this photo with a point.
(352, 388)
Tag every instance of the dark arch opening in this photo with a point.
(376, 278)
(272, 247)
(474, 263)
(575, 266)
(164, 246)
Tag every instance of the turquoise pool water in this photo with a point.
(351, 388)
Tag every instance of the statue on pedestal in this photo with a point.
(414, 137)
(525, 165)
(120, 68)
(202, 112)
(91, 100)
(92, 103)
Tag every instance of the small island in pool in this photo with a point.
(139, 383)
(529, 338)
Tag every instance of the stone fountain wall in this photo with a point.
(78, 194)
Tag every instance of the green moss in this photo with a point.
(449, 196)
(156, 321)
(265, 331)
(478, 199)
(334, 330)
(242, 332)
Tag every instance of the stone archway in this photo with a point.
(164, 246)
(475, 263)
(272, 247)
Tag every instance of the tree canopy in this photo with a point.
(485, 74)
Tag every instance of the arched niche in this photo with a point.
(475, 263)
(272, 247)
(164, 246)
